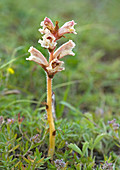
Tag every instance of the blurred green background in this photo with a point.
(91, 81)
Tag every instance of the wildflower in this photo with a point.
(46, 24)
(112, 121)
(68, 27)
(115, 126)
(49, 40)
(10, 70)
(10, 121)
(37, 57)
(65, 49)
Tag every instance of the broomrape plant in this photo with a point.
(49, 41)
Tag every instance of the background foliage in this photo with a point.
(87, 92)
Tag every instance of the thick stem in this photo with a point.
(50, 119)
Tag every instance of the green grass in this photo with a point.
(87, 92)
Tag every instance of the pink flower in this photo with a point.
(10, 121)
(37, 57)
(68, 27)
(46, 24)
(65, 49)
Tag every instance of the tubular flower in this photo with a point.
(37, 57)
(47, 23)
(65, 49)
(68, 27)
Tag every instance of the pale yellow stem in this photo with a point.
(50, 119)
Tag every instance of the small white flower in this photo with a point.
(55, 66)
(37, 57)
(65, 49)
(48, 40)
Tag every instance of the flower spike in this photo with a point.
(49, 40)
